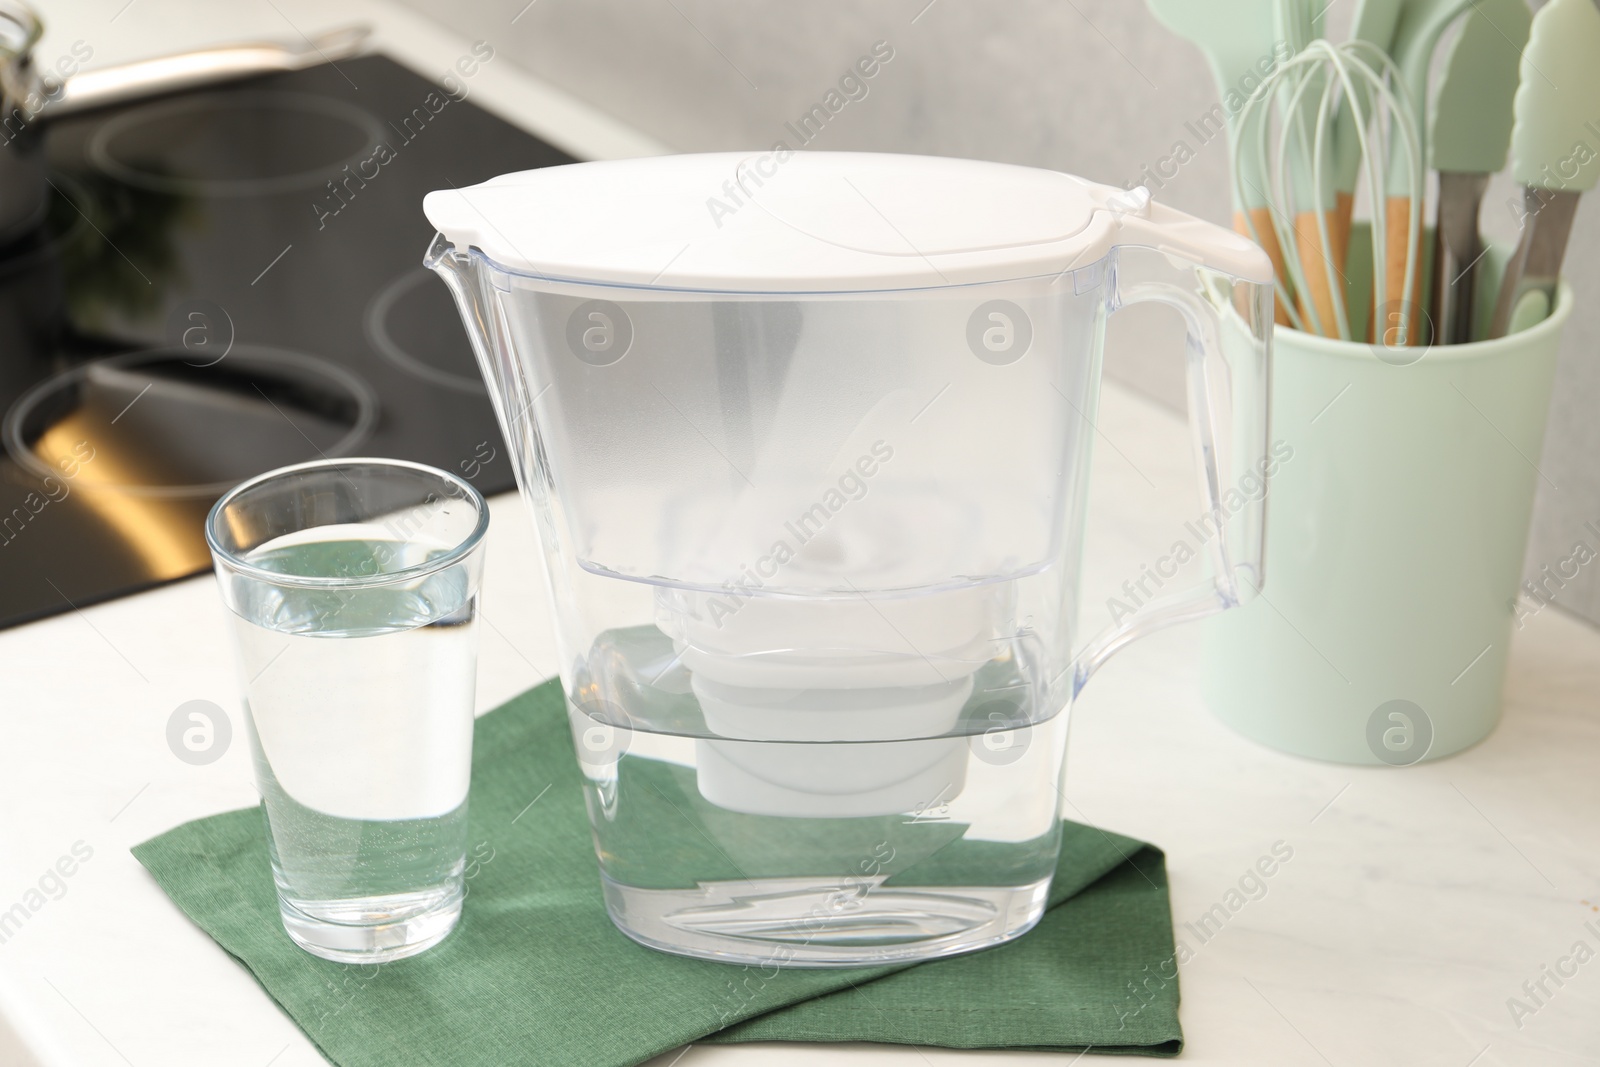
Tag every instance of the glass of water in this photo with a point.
(353, 587)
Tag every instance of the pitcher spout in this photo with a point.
(466, 277)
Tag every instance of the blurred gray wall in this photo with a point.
(1095, 87)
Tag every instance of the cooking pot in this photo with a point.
(31, 95)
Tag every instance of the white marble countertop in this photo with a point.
(1416, 904)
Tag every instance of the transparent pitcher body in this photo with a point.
(815, 561)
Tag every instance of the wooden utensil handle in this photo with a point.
(1402, 321)
(1318, 297)
(1344, 210)
(1267, 238)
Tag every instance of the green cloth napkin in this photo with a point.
(536, 973)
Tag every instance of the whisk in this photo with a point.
(1293, 129)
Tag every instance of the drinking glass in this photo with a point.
(353, 587)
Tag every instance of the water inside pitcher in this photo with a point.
(807, 442)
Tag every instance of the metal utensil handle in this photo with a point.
(182, 70)
(1535, 264)
(1457, 250)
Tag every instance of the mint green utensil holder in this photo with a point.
(1395, 540)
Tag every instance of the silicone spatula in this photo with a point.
(1417, 34)
(1553, 156)
(1235, 36)
(1468, 137)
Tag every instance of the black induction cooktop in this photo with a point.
(230, 280)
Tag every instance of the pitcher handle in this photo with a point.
(1222, 287)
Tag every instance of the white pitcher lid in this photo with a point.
(777, 222)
